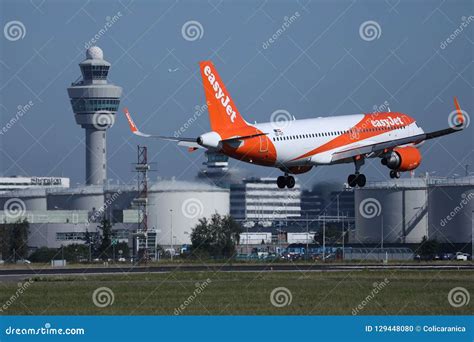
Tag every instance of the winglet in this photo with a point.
(132, 125)
(460, 116)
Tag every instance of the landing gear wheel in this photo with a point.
(290, 182)
(394, 174)
(352, 180)
(281, 182)
(361, 180)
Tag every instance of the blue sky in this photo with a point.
(319, 66)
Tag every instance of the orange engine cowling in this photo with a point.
(403, 159)
(299, 169)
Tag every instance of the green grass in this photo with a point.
(246, 293)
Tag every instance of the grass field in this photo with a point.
(244, 293)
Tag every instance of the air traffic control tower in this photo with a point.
(94, 103)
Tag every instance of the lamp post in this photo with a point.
(171, 226)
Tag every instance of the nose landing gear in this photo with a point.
(288, 181)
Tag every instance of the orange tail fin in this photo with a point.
(223, 114)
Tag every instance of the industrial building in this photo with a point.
(405, 210)
(260, 199)
(19, 182)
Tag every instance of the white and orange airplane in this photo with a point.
(300, 145)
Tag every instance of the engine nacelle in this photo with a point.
(210, 139)
(402, 159)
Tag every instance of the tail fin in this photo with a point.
(223, 113)
(459, 113)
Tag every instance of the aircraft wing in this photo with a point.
(391, 144)
(187, 142)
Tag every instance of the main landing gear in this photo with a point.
(288, 181)
(394, 174)
(358, 178)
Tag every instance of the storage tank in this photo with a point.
(397, 208)
(451, 212)
(23, 200)
(80, 198)
(175, 207)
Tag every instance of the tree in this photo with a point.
(44, 254)
(122, 246)
(216, 237)
(104, 249)
(428, 247)
(76, 252)
(14, 240)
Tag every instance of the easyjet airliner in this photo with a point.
(300, 145)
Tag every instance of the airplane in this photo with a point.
(300, 145)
